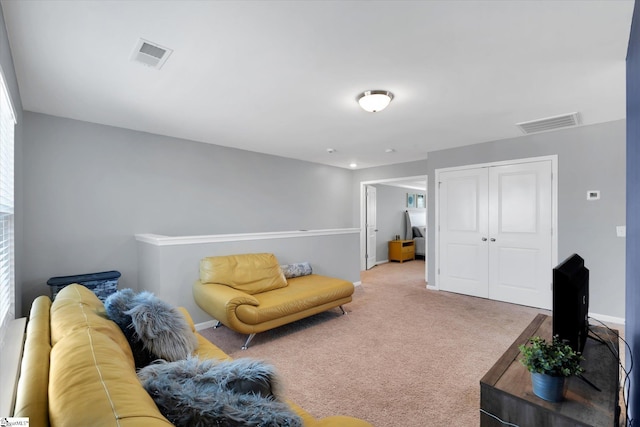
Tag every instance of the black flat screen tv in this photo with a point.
(570, 315)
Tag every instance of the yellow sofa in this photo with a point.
(249, 293)
(78, 369)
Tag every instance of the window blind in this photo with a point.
(7, 264)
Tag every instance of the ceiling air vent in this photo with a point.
(150, 54)
(550, 123)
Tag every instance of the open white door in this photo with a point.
(370, 252)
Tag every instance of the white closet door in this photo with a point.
(463, 233)
(520, 227)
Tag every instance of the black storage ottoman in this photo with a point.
(102, 284)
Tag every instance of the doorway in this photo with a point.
(369, 206)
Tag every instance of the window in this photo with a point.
(7, 279)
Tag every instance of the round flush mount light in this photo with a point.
(374, 100)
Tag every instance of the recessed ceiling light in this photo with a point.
(390, 150)
(331, 150)
(353, 165)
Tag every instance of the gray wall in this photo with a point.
(589, 158)
(6, 62)
(89, 188)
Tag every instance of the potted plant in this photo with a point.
(550, 364)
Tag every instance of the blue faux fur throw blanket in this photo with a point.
(203, 393)
(154, 329)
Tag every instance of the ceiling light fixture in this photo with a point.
(374, 100)
(353, 165)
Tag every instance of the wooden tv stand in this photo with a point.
(505, 391)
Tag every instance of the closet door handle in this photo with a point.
(492, 239)
(484, 239)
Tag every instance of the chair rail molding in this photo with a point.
(161, 240)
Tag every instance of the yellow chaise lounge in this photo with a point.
(249, 293)
(78, 369)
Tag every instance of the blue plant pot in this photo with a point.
(548, 387)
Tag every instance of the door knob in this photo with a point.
(484, 239)
(492, 239)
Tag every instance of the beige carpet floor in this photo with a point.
(402, 356)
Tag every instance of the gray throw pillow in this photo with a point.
(296, 270)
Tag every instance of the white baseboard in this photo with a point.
(206, 325)
(607, 319)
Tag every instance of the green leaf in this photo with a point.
(556, 358)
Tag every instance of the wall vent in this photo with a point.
(550, 123)
(150, 54)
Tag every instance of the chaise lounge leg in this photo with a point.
(343, 312)
(217, 325)
(246, 343)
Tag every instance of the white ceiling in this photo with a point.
(281, 77)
